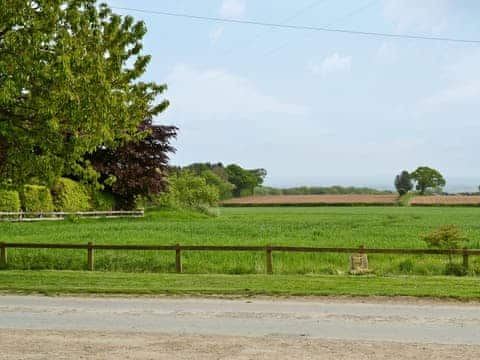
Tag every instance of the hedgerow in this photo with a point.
(36, 198)
(9, 201)
(69, 195)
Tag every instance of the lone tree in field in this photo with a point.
(403, 183)
(427, 178)
(69, 83)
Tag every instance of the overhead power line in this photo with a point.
(300, 27)
(348, 15)
(297, 14)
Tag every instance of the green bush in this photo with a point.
(69, 195)
(36, 198)
(455, 269)
(9, 201)
(103, 201)
(189, 191)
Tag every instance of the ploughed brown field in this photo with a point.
(446, 200)
(314, 199)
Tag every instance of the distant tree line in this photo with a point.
(319, 190)
(231, 180)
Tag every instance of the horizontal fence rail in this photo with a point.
(60, 215)
(268, 249)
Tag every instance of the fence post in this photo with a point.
(178, 259)
(90, 257)
(3, 256)
(465, 259)
(269, 259)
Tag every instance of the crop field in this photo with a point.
(451, 200)
(379, 227)
(313, 200)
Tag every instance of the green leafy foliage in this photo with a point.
(189, 191)
(69, 195)
(69, 83)
(445, 237)
(9, 201)
(225, 188)
(403, 183)
(36, 198)
(427, 178)
(244, 180)
(448, 237)
(103, 201)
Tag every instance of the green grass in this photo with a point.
(405, 200)
(382, 227)
(62, 282)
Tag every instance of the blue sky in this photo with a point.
(319, 108)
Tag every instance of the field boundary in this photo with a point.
(25, 216)
(268, 249)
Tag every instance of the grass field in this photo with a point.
(382, 227)
(78, 282)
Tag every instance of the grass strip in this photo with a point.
(77, 282)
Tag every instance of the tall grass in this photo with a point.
(381, 227)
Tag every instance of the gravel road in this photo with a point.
(256, 328)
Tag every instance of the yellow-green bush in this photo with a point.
(9, 201)
(36, 198)
(69, 195)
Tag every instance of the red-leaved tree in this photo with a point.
(136, 168)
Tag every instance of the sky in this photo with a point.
(320, 108)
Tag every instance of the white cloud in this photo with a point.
(219, 94)
(420, 15)
(233, 9)
(216, 34)
(463, 84)
(334, 63)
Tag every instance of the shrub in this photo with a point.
(69, 195)
(445, 237)
(9, 201)
(448, 237)
(189, 191)
(36, 198)
(103, 201)
(455, 269)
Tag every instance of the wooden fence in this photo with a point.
(60, 215)
(268, 250)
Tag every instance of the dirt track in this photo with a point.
(36, 327)
(21, 344)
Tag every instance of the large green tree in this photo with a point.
(69, 83)
(427, 178)
(244, 180)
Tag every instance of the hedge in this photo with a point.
(103, 201)
(69, 195)
(36, 198)
(9, 201)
